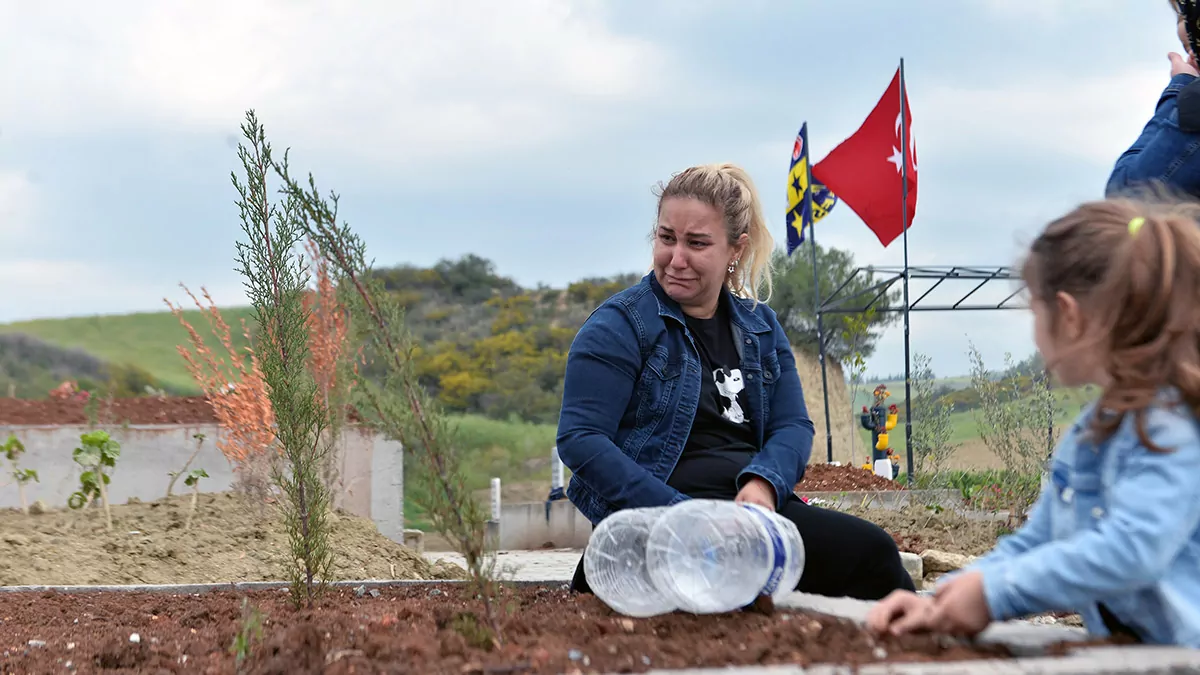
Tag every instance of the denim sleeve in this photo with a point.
(1153, 510)
(602, 368)
(1161, 148)
(788, 432)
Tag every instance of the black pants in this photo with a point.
(844, 555)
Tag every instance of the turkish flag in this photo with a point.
(865, 170)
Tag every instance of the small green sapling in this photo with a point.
(96, 453)
(13, 449)
(193, 481)
(176, 474)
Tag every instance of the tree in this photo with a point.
(793, 302)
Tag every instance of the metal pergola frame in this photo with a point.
(841, 301)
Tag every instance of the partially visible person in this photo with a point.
(1115, 533)
(1168, 150)
(685, 386)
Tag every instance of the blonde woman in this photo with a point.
(685, 386)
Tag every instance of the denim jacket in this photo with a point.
(1115, 524)
(1163, 152)
(631, 390)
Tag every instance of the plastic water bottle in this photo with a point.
(716, 556)
(615, 564)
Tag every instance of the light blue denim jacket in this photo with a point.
(1163, 152)
(1115, 524)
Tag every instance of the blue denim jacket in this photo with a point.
(1163, 152)
(631, 390)
(1115, 524)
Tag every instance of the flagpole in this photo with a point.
(904, 219)
(812, 236)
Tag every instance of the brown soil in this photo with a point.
(131, 410)
(916, 528)
(140, 410)
(231, 539)
(830, 478)
(428, 630)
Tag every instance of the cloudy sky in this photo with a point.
(532, 131)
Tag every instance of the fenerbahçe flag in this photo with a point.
(799, 215)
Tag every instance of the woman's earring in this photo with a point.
(732, 267)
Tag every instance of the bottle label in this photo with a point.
(780, 554)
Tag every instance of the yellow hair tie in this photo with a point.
(1135, 225)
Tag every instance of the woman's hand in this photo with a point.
(757, 491)
(1182, 66)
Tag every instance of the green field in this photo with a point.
(147, 339)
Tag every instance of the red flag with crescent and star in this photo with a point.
(865, 170)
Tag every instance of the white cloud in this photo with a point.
(1068, 115)
(17, 204)
(406, 80)
(1051, 10)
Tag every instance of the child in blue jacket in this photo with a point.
(1115, 533)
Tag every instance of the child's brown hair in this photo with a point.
(1133, 265)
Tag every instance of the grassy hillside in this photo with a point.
(147, 340)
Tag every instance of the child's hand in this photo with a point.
(960, 607)
(900, 612)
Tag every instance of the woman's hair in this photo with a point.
(728, 189)
(1133, 265)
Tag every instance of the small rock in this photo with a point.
(37, 643)
(135, 638)
(374, 593)
(645, 660)
(433, 593)
(575, 655)
(360, 591)
(935, 561)
(37, 508)
(627, 625)
(70, 645)
(69, 665)
(880, 653)
(16, 539)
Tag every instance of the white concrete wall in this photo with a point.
(528, 526)
(372, 468)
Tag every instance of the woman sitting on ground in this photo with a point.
(685, 386)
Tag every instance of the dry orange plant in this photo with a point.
(236, 390)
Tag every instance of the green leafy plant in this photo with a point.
(97, 454)
(1017, 424)
(13, 449)
(193, 481)
(249, 633)
(276, 280)
(176, 474)
(394, 402)
(932, 424)
(857, 334)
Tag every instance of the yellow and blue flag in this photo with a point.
(808, 200)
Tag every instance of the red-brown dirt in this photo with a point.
(140, 410)
(133, 410)
(427, 629)
(830, 478)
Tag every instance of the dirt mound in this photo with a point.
(830, 478)
(230, 540)
(432, 631)
(140, 410)
(842, 422)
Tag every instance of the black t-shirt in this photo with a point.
(722, 441)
